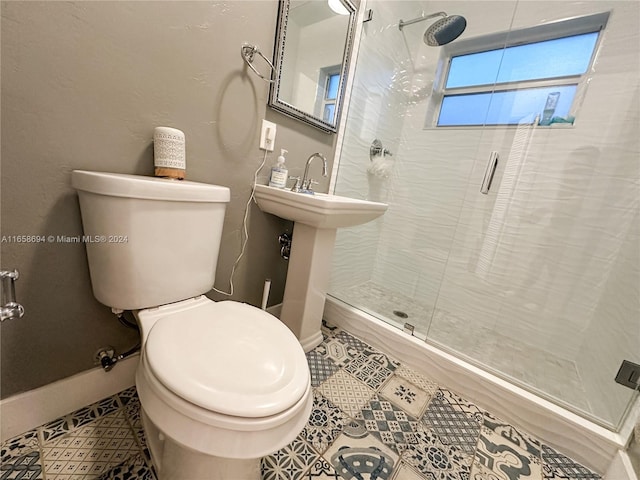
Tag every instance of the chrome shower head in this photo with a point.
(445, 30)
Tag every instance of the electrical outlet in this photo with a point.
(268, 136)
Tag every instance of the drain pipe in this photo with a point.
(106, 357)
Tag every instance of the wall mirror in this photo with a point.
(314, 39)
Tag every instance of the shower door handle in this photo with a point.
(489, 172)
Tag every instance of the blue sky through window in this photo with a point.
(332, 86)
(512, 85)
(560, 57)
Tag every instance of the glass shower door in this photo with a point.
(393, 267)
(538, 280)
(541, 284)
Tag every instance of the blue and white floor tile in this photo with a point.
(338, 352)
(347, 392)
(417, 379)
(28, 465)
(357, 456)
(437, 461)
(388, 423)
(92, 448)
(404, 471)
(373, 419)
(290, 462)
(406, 396)
(20, 445)
(325, 423)
(134, 468)
(455, 421)
(372, 368)
(558, 467)
(321, 470)
(320, 366)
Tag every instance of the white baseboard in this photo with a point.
(620, 468)
(28, 410)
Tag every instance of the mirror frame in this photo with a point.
(291, 110)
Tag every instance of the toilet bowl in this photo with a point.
(221, 384)
(247, 392)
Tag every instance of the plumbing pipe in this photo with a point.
(107, 358)
(265, 293)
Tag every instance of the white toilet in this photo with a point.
(221, 384)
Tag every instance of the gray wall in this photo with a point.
(83, 86)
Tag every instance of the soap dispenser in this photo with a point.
(279, 172)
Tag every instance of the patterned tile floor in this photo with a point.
(373, 419)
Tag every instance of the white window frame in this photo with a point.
(323, 86)
(547, 31)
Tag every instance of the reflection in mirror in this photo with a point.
(314, 39)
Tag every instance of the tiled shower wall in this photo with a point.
(548, 256)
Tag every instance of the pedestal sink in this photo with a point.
(316, 218)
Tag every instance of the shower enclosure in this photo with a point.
(513, 244)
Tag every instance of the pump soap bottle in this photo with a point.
(279, 172)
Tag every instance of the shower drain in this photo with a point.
(400, 314)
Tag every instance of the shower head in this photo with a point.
(443, 31)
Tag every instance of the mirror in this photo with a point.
(313, 47)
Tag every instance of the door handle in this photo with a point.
(489, 172)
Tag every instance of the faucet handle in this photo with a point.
(308, 185)
(296, 185)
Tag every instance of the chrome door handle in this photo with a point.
(489, 172)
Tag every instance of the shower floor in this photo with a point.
(535, 368)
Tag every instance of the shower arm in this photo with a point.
(403, 24)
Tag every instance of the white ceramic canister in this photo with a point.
(169, 153)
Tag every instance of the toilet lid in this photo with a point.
(228, 357)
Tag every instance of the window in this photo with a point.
(521, 76)
(331, 93)
(328, 86)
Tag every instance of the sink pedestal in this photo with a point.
(307, 282)
(316, 219)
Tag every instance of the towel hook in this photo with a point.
(248, 52)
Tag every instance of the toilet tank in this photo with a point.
(149, 241)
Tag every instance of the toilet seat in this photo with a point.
(261, 373)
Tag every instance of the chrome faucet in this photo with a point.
(306, 181)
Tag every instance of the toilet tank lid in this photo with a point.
(150, 188)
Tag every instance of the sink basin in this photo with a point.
(318, 210)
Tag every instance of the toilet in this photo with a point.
(221, 384)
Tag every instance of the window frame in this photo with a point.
(501, 40)
(324, 77)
